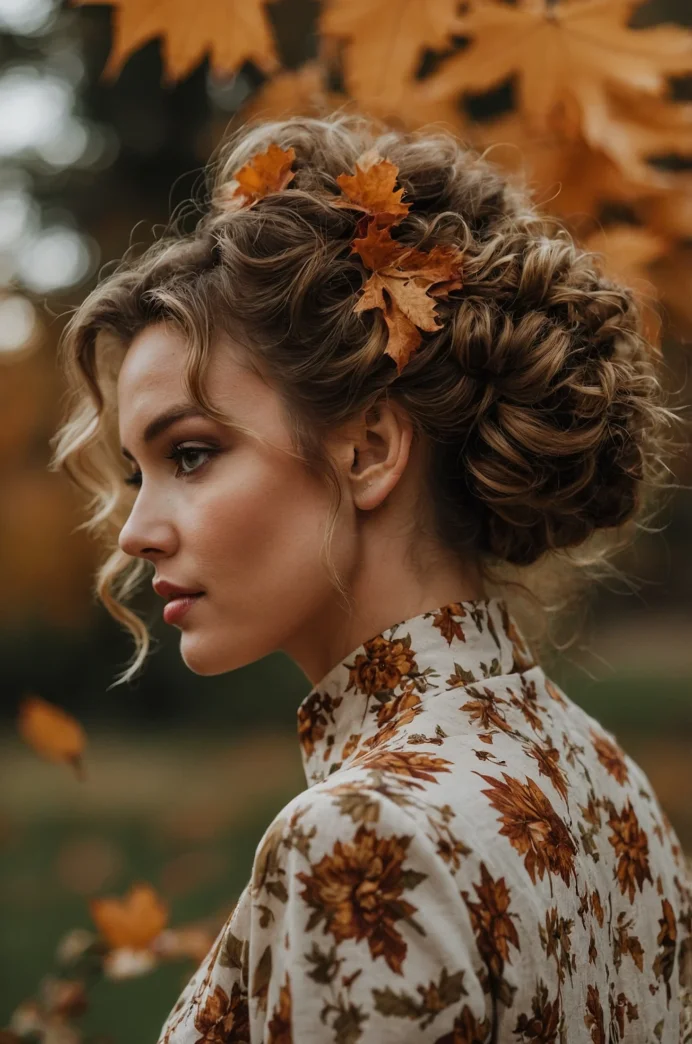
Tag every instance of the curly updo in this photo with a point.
(538, 397)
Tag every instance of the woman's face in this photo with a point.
(240, 520)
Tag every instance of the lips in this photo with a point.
(176, 608)
(168, 590)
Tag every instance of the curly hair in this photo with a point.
(538, 398)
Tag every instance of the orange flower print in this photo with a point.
(594, 1015)
(596, 907)
(527, 703)
(610, 756)
(620, 1009)
(544, 1022)
(448, 627)
(521, 653)
(350, 745)
(382, 666)
(484, 709)
(554, 693)
(492, 922)
(547, 757)
(403, 708)
(414, 763)
(533, 826)
(632, 848)
(467, 1029)
(224, 1020)
(357, 892)
(313, 718)
(664, 961)
(279, 1028)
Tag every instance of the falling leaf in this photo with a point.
(399, 284)
(268, 171)
(371, 189)
(229, 32)
(133, 921)
(52, 732)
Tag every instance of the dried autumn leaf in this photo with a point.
(399, 284)
(51, 731)
(570, 178)
(231, 33)
(385, 41)
(371, 189)
(564, 53)
(133, 921)
(268, 171)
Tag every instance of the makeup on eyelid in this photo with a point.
(178, 451)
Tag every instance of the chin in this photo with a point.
(200, 660)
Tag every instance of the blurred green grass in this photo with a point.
(185, 811)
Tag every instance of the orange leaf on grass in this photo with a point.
(132, 922)
(268, 171)
(404, 283)
(52, 732)
(371, 189)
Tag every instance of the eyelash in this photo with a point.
(177, 453)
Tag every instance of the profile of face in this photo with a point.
(242, 520)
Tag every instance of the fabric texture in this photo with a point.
(475, 859)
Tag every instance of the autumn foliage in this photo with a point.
(593, 122)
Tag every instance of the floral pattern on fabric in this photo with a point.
(474, 860)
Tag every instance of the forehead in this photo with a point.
(152, 371)
(153, 367)
(151, 380)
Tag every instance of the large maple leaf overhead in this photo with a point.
(230, 32)
(564, 54)
(386, 39)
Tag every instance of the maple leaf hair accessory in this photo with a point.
(405, 282)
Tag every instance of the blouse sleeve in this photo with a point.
(358, 932)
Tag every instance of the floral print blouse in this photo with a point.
(475, 859)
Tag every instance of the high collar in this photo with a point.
(382, 685)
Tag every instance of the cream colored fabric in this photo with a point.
(474, 859)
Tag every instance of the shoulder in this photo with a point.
(345, 819)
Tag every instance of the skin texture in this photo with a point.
(245, 525)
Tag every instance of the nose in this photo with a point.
(147, 533)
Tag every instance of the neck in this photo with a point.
(383, 592)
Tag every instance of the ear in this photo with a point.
(375, 452)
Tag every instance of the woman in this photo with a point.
(371, 380)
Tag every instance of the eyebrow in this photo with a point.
(159, 424)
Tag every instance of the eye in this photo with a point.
(179, 453)
(182, 453)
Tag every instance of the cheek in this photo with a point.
(256, 525)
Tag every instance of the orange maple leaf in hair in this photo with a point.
(404, 283)
(268, 171)
(371, 189)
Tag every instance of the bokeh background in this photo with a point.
(183, 773)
